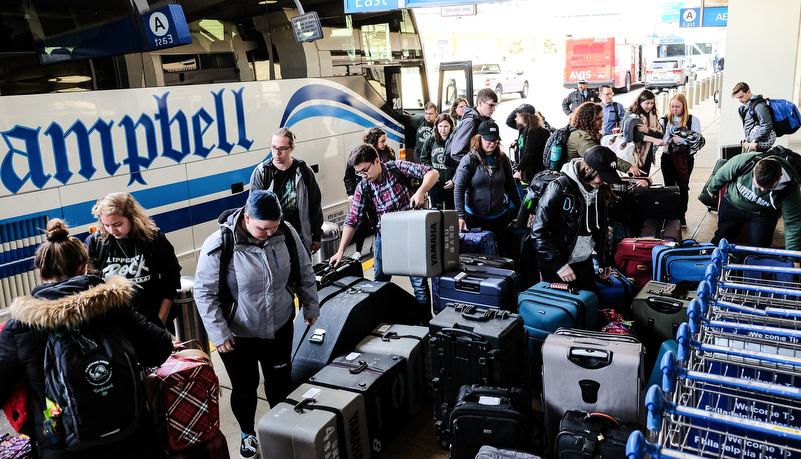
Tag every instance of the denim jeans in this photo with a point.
(760, 225)
(419, 284)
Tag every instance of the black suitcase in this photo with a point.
(491, 261)
(586, 435)
(469, 346)
(349, 310)
(380, 379)
(730, 151)
(500, 417)
(657, 201)
(327, 274)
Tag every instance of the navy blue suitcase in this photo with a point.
(481, 286)
(774, 278)
(686, 261)
(615, 292)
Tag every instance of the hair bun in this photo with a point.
(57, 230)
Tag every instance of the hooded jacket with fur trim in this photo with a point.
(71, 302)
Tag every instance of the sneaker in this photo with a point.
(683, 224)
(249, 447)
(356, 256)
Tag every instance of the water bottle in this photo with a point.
(556, 155)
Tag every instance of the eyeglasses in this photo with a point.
(490, 141)
(364, 172)
(492, 105)
(279, 149)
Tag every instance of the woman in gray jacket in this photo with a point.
(484, 184)
(260, 329)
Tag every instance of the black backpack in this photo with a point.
(91, 373)
(792, 157)
(558, 137)
(226, 249)
(536, 188)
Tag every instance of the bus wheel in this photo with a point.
(628, 82)
(524, 92)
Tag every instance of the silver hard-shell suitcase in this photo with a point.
(316, 422)
(592, 371)
(411, 342)
(421, 243)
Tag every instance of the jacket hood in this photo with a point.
(230, 216)
(590, 197)
(70, 303)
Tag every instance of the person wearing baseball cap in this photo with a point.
(579, 96)
(532, 135)
(571, 220)
(484, 185)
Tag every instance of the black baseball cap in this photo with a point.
(604, 161)
(526, 108)
(488, 130)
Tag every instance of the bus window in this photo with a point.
(412, 85)
(453, 86)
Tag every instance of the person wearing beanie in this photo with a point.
(259, 328)
(571, 220)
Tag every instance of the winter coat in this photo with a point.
(257, 277)
(758, 130)
(484, 194)
(562, 215)
(310, 207)
(162, 265)
(433, 155)
(460, 144)
(744, 195)
(72, 302)
(576, 98)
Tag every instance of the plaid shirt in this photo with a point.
(389, 195)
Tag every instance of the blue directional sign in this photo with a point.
(716, 17)
(427, 3)
(368, 6)
(671, 12)
(166, 26)
(690, 17)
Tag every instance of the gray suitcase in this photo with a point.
(591, 371)
(316, 422)
(421, 243)
(411, 342)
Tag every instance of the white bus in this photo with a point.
(88, 108)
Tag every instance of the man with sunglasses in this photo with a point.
(486, 101)
(297, 189)
(386, 186)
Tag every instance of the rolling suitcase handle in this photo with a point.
(591, 359)
(469, 312)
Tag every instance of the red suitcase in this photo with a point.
(633, 259)
(183, 394)
(216, 448)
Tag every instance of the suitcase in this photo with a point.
(592, 371)
(410, 342)
(730, 151)
(662, 228)
(616, 291)
(784, 279)
(482, 286)
(494, 416)
(327, 274)
(469, 346)
(707, 200)
(592, 435)
(316, 422)
(183, 397)
(423, 242)
(477, 241)
(656, 374)
(491, 452)
(490, 261)
(216, 448)
(633, 257)
(678, 262)
(657, 201)
(349, 310)
(658, 310)
(380, 380)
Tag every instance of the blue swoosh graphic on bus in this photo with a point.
(336, 112)
(322, 92)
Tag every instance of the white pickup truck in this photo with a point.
(502, 80)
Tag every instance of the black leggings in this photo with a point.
(242, 365)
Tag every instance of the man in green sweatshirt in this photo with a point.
(758, 195)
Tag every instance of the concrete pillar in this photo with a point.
(690, 94)
(662, 102)
(705, 89)
(696, 92)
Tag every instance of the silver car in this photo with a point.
(670, 72)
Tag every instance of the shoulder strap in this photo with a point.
(752, 109)
(400, 176)
(294, 261)
(304, 171)
(690, 122)
(267, 176)
(617, 113)
(227, 302)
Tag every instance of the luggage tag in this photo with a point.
(318, 336)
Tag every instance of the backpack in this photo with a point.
(226, 248)
(267, 178)
(785, 115)
(558, 140)
(91, 373)
(450, 161)
(367, 190)
(536, 188)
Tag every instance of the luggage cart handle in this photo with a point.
(727, 248)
